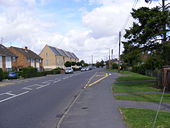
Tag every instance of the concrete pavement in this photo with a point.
(95, 108)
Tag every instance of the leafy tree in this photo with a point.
(73, 63)
(78, 64)
(82, 62)
(100, 64)
(131, 55)
(146, 35)
(68, 64)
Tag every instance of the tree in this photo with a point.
(78, 64)
(146, 34)
(100, 64)
(73, 63)
(68, 64)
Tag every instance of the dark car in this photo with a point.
(12, 75)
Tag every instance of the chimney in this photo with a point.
(26, 48)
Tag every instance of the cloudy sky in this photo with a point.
(85, 27)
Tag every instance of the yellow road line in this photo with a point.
(89, 80)
(98, 80)
(5, 84)
(99, 75)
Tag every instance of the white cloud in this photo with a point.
(26, 27)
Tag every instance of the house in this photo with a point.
(54, 57)
(26, 58)
(7, 59)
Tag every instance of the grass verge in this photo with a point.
(130, 76)
(145, 97)
(143, 118)
(134, 87)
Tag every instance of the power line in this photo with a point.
(128, 17)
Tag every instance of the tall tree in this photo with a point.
(147, 32)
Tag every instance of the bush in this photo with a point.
(1, 74)
(114, 66)
(76, 69)
(5, 75)
(29, 72)
(139, 69)
(56, 71)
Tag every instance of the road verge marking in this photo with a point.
(68, 109)
(97, 81)
(89, 80)
(13, 96)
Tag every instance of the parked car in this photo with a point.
(87, 68)
(83, 69)
(12, 75)
(69, 70)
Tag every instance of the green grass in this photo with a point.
(130, 76)
(143, 118)
(134, 87)
(112, 70)
(145, 97)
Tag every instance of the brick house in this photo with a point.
(26, 58)
(54, 57)
(7, 59)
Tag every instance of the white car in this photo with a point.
(69, 70)
(83, 69)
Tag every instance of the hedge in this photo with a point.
(1, 74)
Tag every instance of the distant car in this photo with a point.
(12, 75)
(83, 69)
(69, 70)
(87, 68)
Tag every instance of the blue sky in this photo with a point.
(85, 27)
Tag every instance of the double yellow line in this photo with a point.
(97, 81)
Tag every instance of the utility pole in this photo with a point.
(92, 60)
(109, 58)
(164, 25)
(112, 54)
(119, 51)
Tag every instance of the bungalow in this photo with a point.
(54, 57)
(7, 59)
(26, 58)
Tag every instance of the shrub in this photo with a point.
(114, 66)
(5, 75)
(76, 69)
(1, 75)
(56, 71)
(29, 72)
(139, 69)
(68, 64)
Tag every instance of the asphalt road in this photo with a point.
(39, 102)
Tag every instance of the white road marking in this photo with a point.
(56, 81)
(27, 88)
(13, 96)
(8, 93)
(42, 86)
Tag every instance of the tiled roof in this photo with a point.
(60, 52)
(55, 51)
(5, 52)
(28, 53)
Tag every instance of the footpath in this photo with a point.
(95, 108)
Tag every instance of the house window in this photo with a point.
(0, 61)
(46, 62)
(46, 54)
(29, 60)
(8, 62)
(14, 59)
(32, 62)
